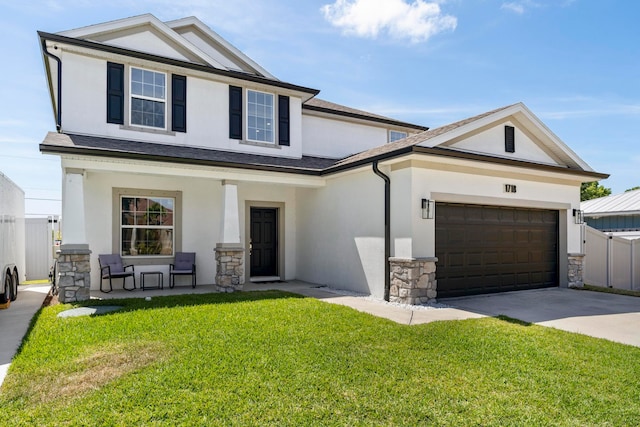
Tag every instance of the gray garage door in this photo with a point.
(485, 249)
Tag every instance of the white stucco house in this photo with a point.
(170, 139)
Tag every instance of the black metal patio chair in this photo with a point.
(184, 265)
(111, 268)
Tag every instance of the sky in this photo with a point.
(574, 63)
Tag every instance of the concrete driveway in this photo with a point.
(597, 314)
(15, 320)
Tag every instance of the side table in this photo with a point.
(159, 281)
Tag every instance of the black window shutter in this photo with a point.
(235, 112)
(178, 103)
(115, 93)
(283, 120)
(509, 139)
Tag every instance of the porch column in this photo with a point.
(74, 266)
(229, 253)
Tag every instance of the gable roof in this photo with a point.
(433, 141)
(213, 40)
(172, 31)
(44, 37)
(320, 105)
(627, 203)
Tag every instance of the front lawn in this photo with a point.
(272, 358)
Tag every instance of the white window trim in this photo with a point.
(154, 227)
(273, 118)
(165, 100)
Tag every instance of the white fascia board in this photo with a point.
(486, 167)
(136, 21)
(547, 137)
(192, 20)
(104, 165)
(558, 146)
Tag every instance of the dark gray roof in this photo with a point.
(414, 140)
(316, 104)
(110, 147)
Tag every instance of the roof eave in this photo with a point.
(175, 62)
(83, 151)
(413, 149)
(363, 117)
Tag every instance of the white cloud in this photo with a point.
(416, 21)
(514, 7)
(520, 7)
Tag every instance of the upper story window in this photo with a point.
(260, 116)
(255, 116)
(148, 98)
(154, 100)
(395, 135)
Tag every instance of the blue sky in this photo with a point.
(574, 63)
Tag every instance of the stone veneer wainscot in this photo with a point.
(229, 268)
(413, 280)
(576, 270)
(74, 274)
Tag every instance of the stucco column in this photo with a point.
(230, 232)
(229, 252)
(74, 266)
(73, 214)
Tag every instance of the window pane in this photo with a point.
(147, 113)
(136, 75)
(395, 135)
(136, 88)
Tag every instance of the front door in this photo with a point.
(264, 242)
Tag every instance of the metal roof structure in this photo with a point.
(619, 204)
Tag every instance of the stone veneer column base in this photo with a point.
(576, 270)
(74, 273)
(229, 267)
(413, 280)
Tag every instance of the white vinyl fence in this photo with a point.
(611, 261)
(38, 246)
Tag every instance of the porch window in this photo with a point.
(147, 226)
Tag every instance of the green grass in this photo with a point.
(612, 290)
(272, 358)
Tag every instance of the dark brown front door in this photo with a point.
(264, 242)
(485, 249)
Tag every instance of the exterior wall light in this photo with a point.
(428, 208)
(578, 216)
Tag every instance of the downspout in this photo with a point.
(59, 107)
(387, 228)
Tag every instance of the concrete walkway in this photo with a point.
(15, 320)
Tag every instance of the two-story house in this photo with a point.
(171, 139)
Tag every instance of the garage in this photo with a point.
(486, 249)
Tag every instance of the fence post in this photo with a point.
(633, 264)
(609, 261)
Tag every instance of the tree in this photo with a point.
(637, 187)
(593, 190)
